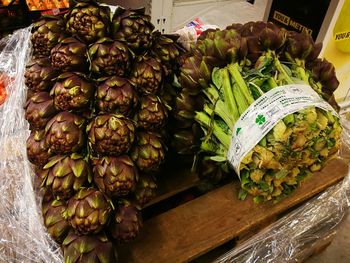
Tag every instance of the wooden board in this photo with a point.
(196, 227)
(172, 183)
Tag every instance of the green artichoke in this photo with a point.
(223, 45)
(46, 33)
(72, 91)
(37, 149)
(126, 223)
(111, 134)
(39, 109)
(147, 75)
(64, 133)
(258, 37)
(69, 55)
(39, 182)
(196, 72)
(88, 211)
(146, 190)
(185, 107)
(301, 46)
(67, 174)
(88, 249)
(40, 75)
(166, 50)
(115, 176)
(211, 172)
(214, 49)
(56, 224)
(148, 152)
(152, 114)
(47, 195)
(89, 21)
(109, 58)
(132, 27)
(116, 95)
(324, 77)
(186, 141)
(30, 93)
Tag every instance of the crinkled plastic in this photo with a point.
(287, 239)
(190, 32)
(23, 237)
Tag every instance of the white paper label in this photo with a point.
(265, 112)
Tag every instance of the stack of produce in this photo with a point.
(96, 117)
(228, 70)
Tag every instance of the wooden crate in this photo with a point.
(203, 228)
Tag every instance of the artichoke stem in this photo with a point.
(302, 74)
(255, 90)
(213, 148)
(204, 120)
(240, 99)
(222, 111)
(272, 83)
(238, 79)
(279, 67)
(212, 94)
(228, 94)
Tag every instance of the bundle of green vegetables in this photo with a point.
(229, 70)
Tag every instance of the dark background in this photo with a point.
(309, 13)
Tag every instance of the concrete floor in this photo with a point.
(339, 250)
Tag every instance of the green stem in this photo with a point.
(255, 90)
(220, 108)
(213, 148)
(228, 94)
(222, 111)
(272, 83)
(212, 94)
(240, 99)
(223, 136)
(301, 71)
(238, 79)
(208, 110)
(281, 70)
(279, 67)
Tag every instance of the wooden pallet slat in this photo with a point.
(194, 228)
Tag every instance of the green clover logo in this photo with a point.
(260, 119)
(238, 130)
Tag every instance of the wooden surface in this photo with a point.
(172, 183)
(196, 227)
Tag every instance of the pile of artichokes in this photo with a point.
(224, 73)
(97, 117)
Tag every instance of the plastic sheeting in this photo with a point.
(23, 237)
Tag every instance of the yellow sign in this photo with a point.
(337, 51)
(281, 18)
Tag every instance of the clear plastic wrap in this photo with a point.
(23, 237)
(287, 239)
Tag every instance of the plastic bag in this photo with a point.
(23, 237)
(189, 33)
(286, 239)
